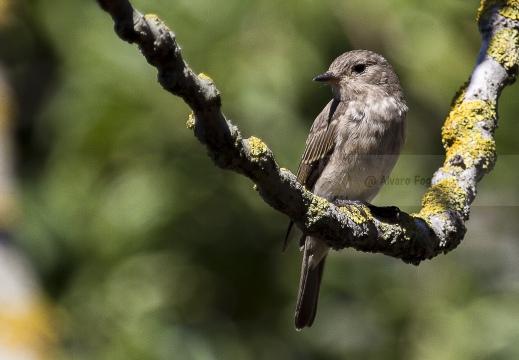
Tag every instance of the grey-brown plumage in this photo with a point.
(352, 148)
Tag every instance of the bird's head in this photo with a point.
(354, 73)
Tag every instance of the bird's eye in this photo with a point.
(359, 68)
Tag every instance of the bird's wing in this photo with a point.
(319, 145)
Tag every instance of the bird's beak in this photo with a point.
(327, 76)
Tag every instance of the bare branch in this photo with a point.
(467, 138)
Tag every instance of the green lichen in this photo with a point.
(446, 194)
(504, 47)
(461, 136)
(257, 147)
(507, 8)
(190, 123)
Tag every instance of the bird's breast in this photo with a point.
(369, 139)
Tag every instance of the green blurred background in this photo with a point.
(148, 251)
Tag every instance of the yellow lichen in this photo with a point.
(155, 19)
(205, 77)
(507, 8)
(392, 231)
(461, 136)
(446, 194)
(385, 231)
(405, 233)
(190, 123)
(257, 147)
(357, 215)
(317, 209)
(511, 10)
(504, 47)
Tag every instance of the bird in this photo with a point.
(351, 149)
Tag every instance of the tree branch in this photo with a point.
(467, 138)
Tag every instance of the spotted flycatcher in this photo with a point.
(352, 148)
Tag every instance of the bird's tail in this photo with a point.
(309, 285)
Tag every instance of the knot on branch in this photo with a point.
(158, 44)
